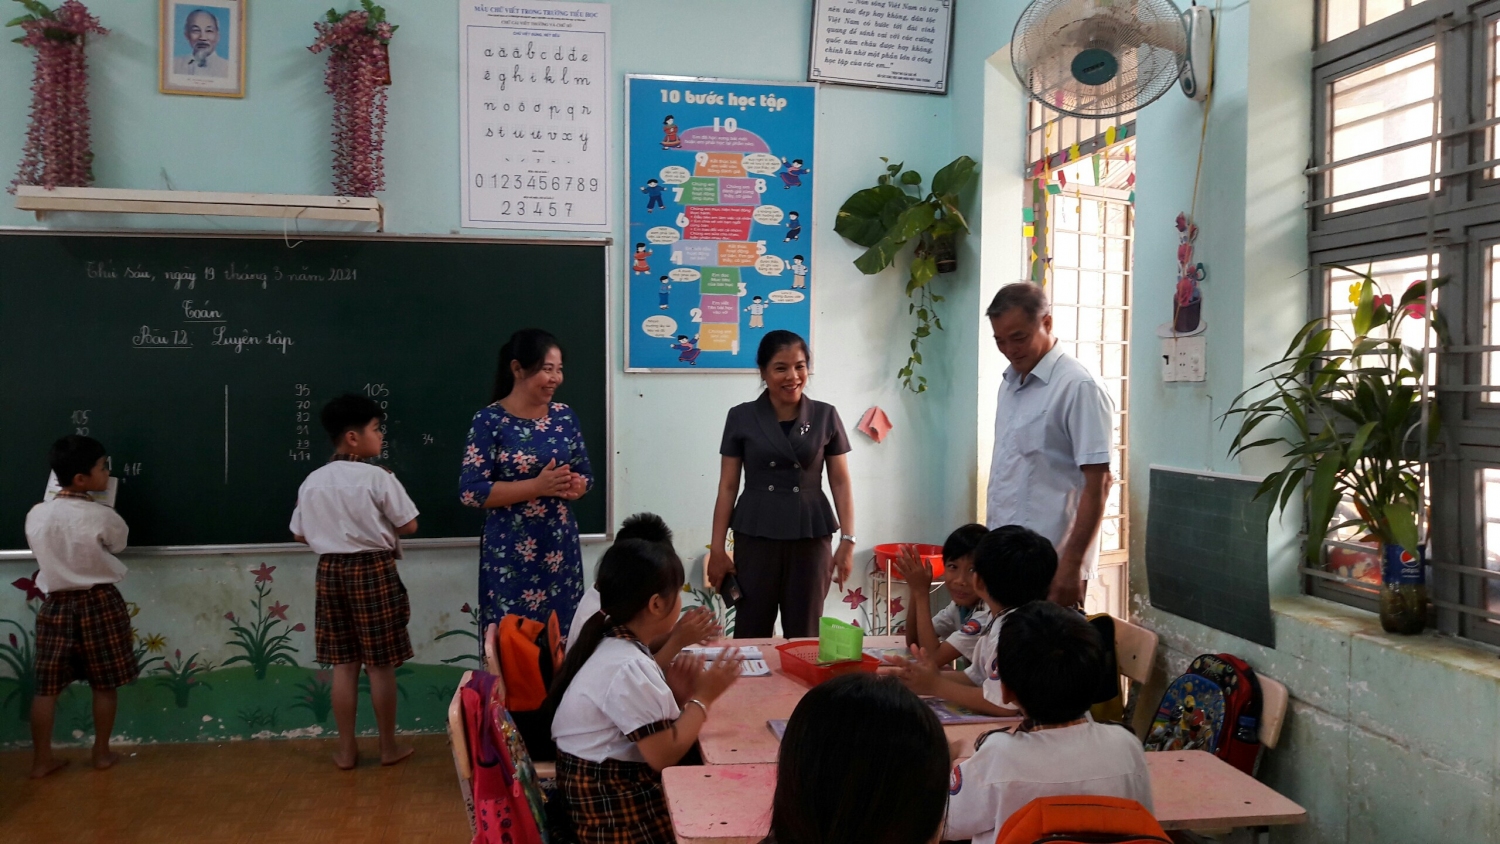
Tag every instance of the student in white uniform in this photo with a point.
(620, 719)
(696, 626)
(1012, 566)
(958, 566)
(1050, 660)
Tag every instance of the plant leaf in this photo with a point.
(1402, 524)
(1321, 502)
(880, 255)
(955, 177)
(859, 219)
(911, 177)
(1364, 312)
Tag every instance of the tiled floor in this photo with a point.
(271, 791)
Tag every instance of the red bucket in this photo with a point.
(886, 556)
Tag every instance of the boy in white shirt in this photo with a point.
(1013, 566)
(958, 568)
(83, 626)
(352, 514)
(1049, 660)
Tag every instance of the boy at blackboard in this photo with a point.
(83, 627)
(352, 513)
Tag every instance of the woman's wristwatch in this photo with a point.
(848, 538)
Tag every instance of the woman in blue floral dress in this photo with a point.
(524, 462)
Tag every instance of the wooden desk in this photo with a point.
(731, 804)
(736, 733)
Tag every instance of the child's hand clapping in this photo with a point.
(682, 676)
(914, 570)
(719, 676)
(697, 626)
(919, 674)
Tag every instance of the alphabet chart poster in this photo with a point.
(534, 115)
(719, 199)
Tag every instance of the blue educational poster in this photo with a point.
(719, 201)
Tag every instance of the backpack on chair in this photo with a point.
(1214, 707)
(1082, 820)
(530, 655)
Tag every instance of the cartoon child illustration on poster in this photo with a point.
(653, 190)
(791, 174)
(664, 293)
(793, 227)
(642, 260)
(689, 348)
(799, 271)
(670, 140)
(757, 311)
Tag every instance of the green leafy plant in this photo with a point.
(473, 614)
(263, 644)
(258, 719)
(1349, 410)
(182, 678)
(19, 655)
(401, 671)
(317, 695)
(883, 219)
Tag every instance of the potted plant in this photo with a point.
(57, 152)
(1349, 408)
(883, 219)
(358, 73)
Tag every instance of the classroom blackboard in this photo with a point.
(201, 362)
(1206, 551)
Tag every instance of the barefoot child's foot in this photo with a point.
(51, 766)
(106, 760)
(346, 761)
(396, 756)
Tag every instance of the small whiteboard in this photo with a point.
(534, 124)
(882, 44)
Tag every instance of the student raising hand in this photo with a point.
(914, 570)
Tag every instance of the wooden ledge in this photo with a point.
(278, 206)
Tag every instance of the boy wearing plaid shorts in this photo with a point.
(83, 627)
(352, 514)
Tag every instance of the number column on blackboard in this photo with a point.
(301, 451)
(381, 394)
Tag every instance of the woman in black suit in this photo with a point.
(784, 556)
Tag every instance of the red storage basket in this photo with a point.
(887, 555)
(800, 660)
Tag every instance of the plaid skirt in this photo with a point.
(84, 635)
(614, 802)
(361, 610)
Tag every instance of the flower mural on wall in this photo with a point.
(266, 639)
(473, 614)
(18, 653)
(180, 677)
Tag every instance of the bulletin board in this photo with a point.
(719, 199)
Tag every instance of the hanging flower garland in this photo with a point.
(359, 69)
(57, 151)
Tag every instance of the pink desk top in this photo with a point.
(731, 804)
(737, 734)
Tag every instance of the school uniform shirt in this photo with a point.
(983, 670)
(1047, 426)
(1008, 771)
(619, 697)
(783, 495)
(588, 605)
(950, 619)
(966, 638)
(347, 507)
(75, 541)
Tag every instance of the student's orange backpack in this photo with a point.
(531, 653)
(1082, 820)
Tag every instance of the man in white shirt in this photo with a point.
(201, 30)
(1053, 424)
(1049, 660)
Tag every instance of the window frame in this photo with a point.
(1460, 223)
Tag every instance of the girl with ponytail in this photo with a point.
(620, 719)
(524, 461)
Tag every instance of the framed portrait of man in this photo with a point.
(202, 47)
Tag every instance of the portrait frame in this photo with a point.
(216, 68)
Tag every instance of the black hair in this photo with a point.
(652, 181)
(647, 526)
(668, 117)
(666, 278)
(640, 246)
(853, 744)
(1030, 298)
(1016, 565)
(796, 161)
(529, 348)
(757, 297)
(348, 412)
(962, 542)
(682, 337)
(798, 258)
(793, 214)
(631, 573)
(1050, 658)
(774, 342)
(74, 455)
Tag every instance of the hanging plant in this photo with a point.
(359, 69)
(56, 153)
(884, 218)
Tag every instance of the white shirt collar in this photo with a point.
(1043, 369)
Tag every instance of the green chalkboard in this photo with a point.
(1206, 551)
(202, 362)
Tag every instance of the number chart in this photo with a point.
(534, 116)
(720, 187)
